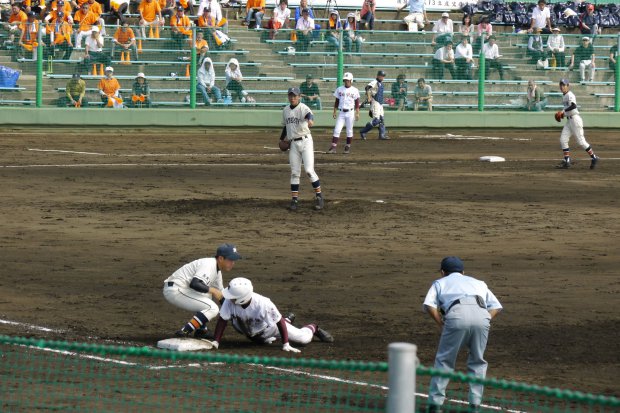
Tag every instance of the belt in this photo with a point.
(346, 110)
(170, 283)
(302, 138)
(449, 308)
(479, 301)
(570, 117)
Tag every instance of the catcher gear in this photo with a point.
(559, 115)
(240, 290)
(284, 145)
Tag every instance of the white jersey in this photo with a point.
(204, 269)
(295, 121)
(259, 319)
(567, 100)
(347, 97)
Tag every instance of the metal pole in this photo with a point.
(402, 363)
(617, 79)
(481, 75)
(39, 84)
(340, 60)
(192, 73)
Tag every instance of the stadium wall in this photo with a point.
(31, 117)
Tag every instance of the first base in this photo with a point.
(185, 344)
(491, 159)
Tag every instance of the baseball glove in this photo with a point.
(284, 145)
(370, 114)
(559, 115)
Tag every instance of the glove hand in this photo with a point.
(215, 344)
(287, 347)
(559, 115)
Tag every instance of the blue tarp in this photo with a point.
(8, 76)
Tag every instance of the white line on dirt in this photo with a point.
(136, 155)
(465, 137)
(31, 326)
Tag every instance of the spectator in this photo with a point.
(535, 100)
(234, 81)
(80, 13)
(334, 26)
(466, 28)
(140, 93)
(125, 39)
(17, 19)
(416, 18)
(304, 27)
(556, 47)
(109, 89)
(60, 6)
(280, 18)
(60, 38)
(29, 35)
(208, 26)
(536, 47)
(583, 56)
(444, 59)
(303, 4)
(74, 93)
(492, 58)
(422, 96)
(35, 6)
(399, 92)
(200, 43)
(118, 8)
(613, 59)
(589, 22)
(206, 83)
(484, 27)
(167, 8)
(254, 9)
(216, 11)
(310, 94)
(93, 52)
(464, 58)
(368, 14)
(150, 15)
(541, 18)
(188, 6)
(442, 30)
(90, 20)
(349, 36)
(181, 27)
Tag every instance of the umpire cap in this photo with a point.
(381, 73)
(451, 264)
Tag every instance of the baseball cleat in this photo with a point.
(324, 335)
(319, 203)
(384, 138)
(347, 149)
(363, 136)
(203, 333)
(294, 205)
(563, 165)
(181, 333)
(593, 162)
(290, 317)
(331, 150)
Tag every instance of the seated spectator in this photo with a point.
(492, 58)
(368, 14)
(303, 5)
(57, 6)
(91, 17)
(17, 19)
(556, 47)
(109, 89)
(483, 31)
(310, 95)
(234, 81)
(206, 83)
(466, 28)
(200, 42)
(589, 22)
(60, 37)
(416, 19)
(280, 19)
(442, 30)
(74, 93)
(422, 96)
(583, 56)
(333, 26)
(181, 27)
(188, 6)
(216, 11)
(464, 59)
(399, 92)
(613, 59)
(29, 36)
(444, 59)
(125, 39)
(349, 35)
(35, 6)
(254, 9)
(93, 52)
(305, 26)
(535, 100)
(118, 8)
(168, 8)
(150, 15)
(140, 93)
(541, 18)
(535, 47)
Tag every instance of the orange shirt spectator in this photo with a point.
(149, 10)
(19, 17)
(182, 23)
(124, 36)
(109, 86)
(91, 19)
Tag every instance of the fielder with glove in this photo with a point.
(256, 317)
(374, 94)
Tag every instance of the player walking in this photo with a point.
(348, 104)
(297, 119)
(573, 127)
(374, 95)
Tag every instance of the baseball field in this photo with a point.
(94, 220)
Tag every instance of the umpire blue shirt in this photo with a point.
(446, 290)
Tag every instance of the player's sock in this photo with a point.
(566, 155)
(317, 187)
(295, 191)
(335, 141)
(198, 321)
(349, 139)
(590, 152)
(311, 327)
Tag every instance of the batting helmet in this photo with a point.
(239, 289)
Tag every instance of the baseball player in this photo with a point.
(297, 119)
(197, 286)
(256, 317)
(346, 111)
(374, 95)
(463, 307)
(573, 127)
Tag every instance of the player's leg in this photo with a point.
(307, 155)
(581, 140)
(476, 364)
(564, 137)
(340, 121)
(301, 335)
(187, 299)
(349, 122)
(380, 114)
(294, 158)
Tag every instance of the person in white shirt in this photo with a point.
(492, 58)
(556, 46)
(280, 18)
(444, 59)
(541, 18)
(464, 58)
(304, 28)
(346, 111)
(206, 82)
(442, 30)
(416, 18)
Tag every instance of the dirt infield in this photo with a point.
(94, 221)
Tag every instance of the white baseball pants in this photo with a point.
(345, 118)
(573, 128)
(302, 151)
(301, 335)
(191, 300)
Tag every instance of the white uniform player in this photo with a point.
(573, 127)
(257, 317)
(346, 111)
(195, 287)
(297, 119)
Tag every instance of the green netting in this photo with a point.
(39, 375)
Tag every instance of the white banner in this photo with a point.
(431, 5)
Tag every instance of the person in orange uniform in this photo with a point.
(118, 8)
(200, 42)
(60, 36)
(109, 89)
(188, 6)
(29, 37)
(181, 28)
(60, 6)
(17, 19)
(92, 18)
(36, 6)
(207, 25)
(125, 39)
(150, 15)
(256, 9)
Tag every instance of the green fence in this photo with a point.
(39, 375)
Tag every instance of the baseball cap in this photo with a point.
(381, 73)
(445, 14)
(587, 39)
(347, 76)
(109, 69)
(31, 14)
(295, 91)
(180, 8)
(94, 29)
(555, 29)
(140, 74)
(228, 251)
(452, 264)
(309, 76)
(564, 82)
(305, 11)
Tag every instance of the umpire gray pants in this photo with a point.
(465, 325)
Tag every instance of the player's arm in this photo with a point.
(434, 313)
(219, 331)
(283, 133)
(336, 104)
(284, 334)
(310, 118)
(357, 109)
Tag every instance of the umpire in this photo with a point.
(463, 307)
